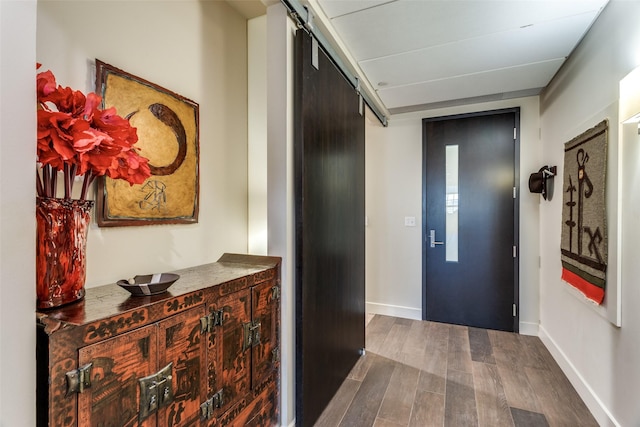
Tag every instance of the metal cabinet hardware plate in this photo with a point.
(210, 405)
(148, 397)
(208, 322)
(79, 379)
(165, 385)
(156, 391)
(218, 399)
(247, 336)
(251, 334)
(275, 293)
(206, 410)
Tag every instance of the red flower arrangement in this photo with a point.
(78, 138)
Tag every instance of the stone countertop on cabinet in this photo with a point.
(105, 301)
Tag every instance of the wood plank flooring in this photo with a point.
(422, 374)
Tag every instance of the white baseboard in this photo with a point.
(291, 424)
(394, 310)
(600, 412)
(528, 328)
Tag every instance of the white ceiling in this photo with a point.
(420, 54)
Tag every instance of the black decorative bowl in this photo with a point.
(149, 284)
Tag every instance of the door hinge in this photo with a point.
(515, 310)
(210, 405)
(515, 192)
(79, 379)
(251, 334)
(213, 319)
(515, 134)
(515, 251)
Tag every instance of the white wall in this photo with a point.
(280, 203)
(17, 213)
(257, 134)
(600, 359)
(202, 56)
(394, 191)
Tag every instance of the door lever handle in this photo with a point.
(432, 239)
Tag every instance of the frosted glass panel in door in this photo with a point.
(451, 204)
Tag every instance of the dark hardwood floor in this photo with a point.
(418, 373)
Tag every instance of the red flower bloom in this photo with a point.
(131, 167)
(77, 137)
(45, 83)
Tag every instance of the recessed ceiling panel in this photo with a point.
(536, 43)
(500, 81)
(403, 26)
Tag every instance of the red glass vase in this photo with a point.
(61, 242)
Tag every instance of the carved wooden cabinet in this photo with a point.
(205, 353)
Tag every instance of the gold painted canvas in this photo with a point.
(167, 126)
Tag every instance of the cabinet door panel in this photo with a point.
(181, 343)
(267, 413)
(262, 411)
(232, 361)
(113, 400)
(264, 312)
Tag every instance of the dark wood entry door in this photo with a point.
(470, 219)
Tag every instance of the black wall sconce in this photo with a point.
(541, 182)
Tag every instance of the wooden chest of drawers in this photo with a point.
(204, 353)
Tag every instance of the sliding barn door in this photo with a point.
(329, 192)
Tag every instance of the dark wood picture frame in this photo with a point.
(168, 132)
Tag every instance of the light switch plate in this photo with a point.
(409, 221)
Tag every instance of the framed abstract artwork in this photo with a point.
(168, 135)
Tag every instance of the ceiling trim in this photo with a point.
(466, 101)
